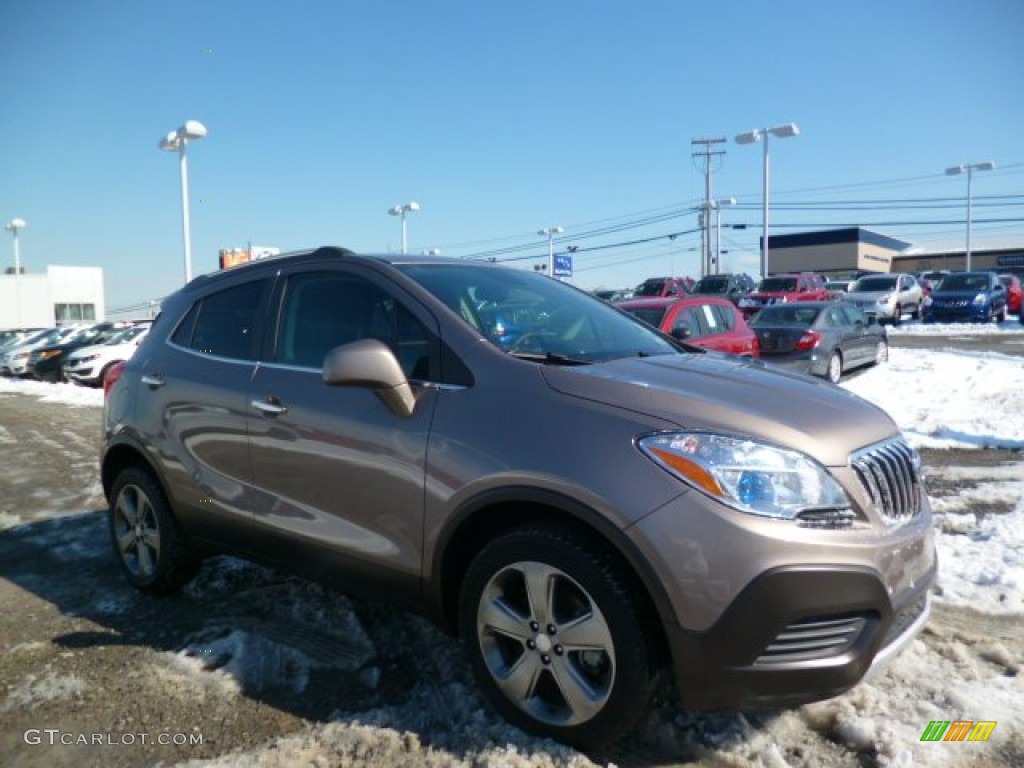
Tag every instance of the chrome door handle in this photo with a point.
(271, 406)
(153, 380)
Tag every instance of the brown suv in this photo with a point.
(584, 500)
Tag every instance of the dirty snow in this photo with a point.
(940, 399)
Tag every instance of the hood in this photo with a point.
(868, 295)
(969, 295)
(732, 395)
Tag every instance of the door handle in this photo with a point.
(271, 406)
(153, 380)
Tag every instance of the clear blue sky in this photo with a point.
(499, 119)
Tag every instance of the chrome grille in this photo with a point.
(891, 474)
(813, 639)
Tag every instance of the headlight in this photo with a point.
(980, 299)
(747, 475)
(885, 299)
(48, 354)
(86, 359)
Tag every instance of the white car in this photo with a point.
(14, 358)
(89, 365)
(887, 296)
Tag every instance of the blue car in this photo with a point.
(967, 296)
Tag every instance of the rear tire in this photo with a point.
(149, 543)
(897, 317)
(835, 367)
(560, 641)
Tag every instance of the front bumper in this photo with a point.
(797, 635)
(769, 612)
(970, 313)
(87, 373)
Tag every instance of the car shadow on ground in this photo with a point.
(304, 649)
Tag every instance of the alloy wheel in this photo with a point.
(546, 643)
(136, 531)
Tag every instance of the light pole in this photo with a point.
(402, 210)
(13, 226)
(549, 233)
(717, 205)
(784, 131)
(969, 170)
(177, 141)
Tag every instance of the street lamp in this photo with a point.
(401, 210)
(549, 233)
(13, 226)
(784, 131)
(177, 141)
(716, 206)
(956, 170)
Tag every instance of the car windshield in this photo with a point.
(777, 284)
(650, 288)
(965, 282)
(785, 317)
(875, 283)
(537, 317)
(712, 285)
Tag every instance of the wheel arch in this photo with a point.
(495, 512)
(121, 455)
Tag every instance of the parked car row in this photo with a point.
(82, 353)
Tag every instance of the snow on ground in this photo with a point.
(940, 399)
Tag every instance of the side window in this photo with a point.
(726, 318)
(685, 319)
(223, 323)
(323, 310)
(709, 320)
(853, 314)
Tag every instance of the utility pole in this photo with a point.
(706, 155)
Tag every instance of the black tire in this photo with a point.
(148, 542)
(587, 594)
(835, 367)
(897, 317)
(1002, 316)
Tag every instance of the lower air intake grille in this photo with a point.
(891, 474)
(813, 639)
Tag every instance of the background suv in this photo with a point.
(782, 289)
(887, 297)
(971, 296)
(732, 287)
(585, 504)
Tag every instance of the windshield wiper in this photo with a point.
(550, 358)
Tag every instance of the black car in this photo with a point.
(46, 363)
(822, 338)
(732, 287)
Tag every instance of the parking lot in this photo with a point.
(251, 667)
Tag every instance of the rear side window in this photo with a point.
(223, 323)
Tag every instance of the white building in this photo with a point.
(61, 295)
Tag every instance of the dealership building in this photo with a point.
(840, 252)
(58, 296)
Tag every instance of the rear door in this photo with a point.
(192, 404)
(338, 477)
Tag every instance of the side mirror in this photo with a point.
(370, 363)
(680, 333)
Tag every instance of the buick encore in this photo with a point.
(586, 502)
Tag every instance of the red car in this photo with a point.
(1014, 293)
(704, 321)
(778, 289)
